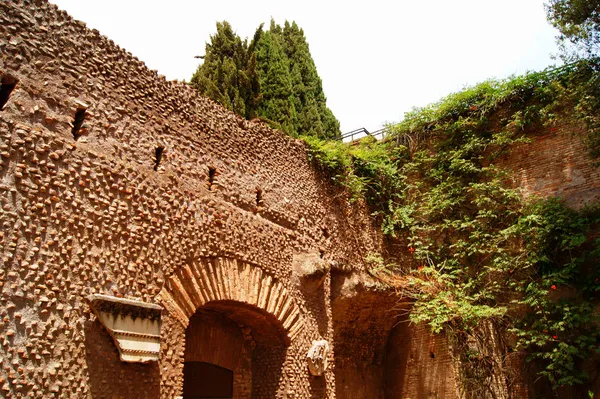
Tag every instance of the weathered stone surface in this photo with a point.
(317, 357)
(100, 214)
(309, 265)
(91, 215)
(134, 326)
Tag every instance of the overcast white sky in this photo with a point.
(377, 58)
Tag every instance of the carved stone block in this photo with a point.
(317, 357)
(133, 325)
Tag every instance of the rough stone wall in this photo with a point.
(89, 214)
(362, 321)
(418, 364)
(379, 354)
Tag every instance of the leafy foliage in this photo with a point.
(560, 323)
(364, 169)
(273, 77)
(583, 80)
(228, 74)
(481, 254)
(578, 22)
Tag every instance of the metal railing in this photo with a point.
(549, 73)
(358, 134)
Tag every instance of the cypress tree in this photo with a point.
(274, 77)
(277, 102)
(314, 118)
(228, 74)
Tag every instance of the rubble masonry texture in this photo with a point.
(91, 215)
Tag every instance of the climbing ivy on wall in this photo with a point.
(564, 250)
(480, 253)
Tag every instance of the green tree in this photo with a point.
(228, 74)
(277, 101)
(314, 118)
(273, 77)
(579, 24)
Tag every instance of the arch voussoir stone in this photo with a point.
(228, 279)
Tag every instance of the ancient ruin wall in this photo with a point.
(96, 211)
(557, 163)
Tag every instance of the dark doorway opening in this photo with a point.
(7, 85)
(204, 380)
(80, 115)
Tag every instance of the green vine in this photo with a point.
(560, 322)
(480, 253)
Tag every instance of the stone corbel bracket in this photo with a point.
(133, 325)
(317, 357)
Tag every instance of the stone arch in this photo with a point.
(219, 279)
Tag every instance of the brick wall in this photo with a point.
(213, 338)
(418, 364)
(555, 163)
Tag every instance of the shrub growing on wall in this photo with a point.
(481, 255)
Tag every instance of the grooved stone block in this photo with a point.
(133, 325)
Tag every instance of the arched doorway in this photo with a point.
(233, 351)
(226, 303)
